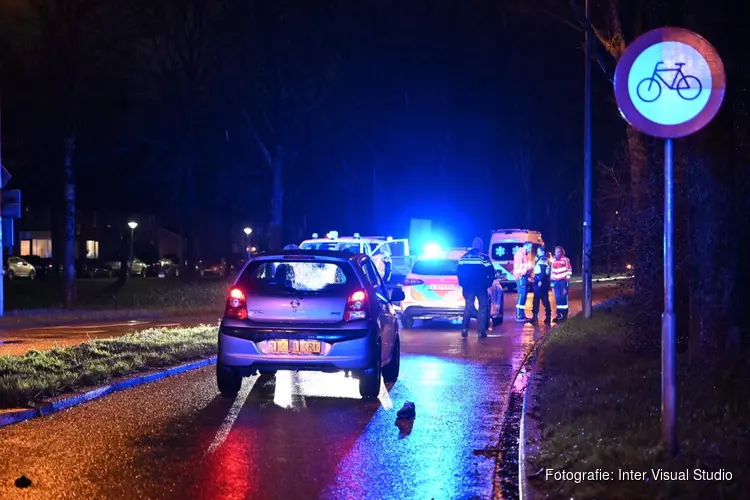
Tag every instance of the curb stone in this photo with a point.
(529, 433)
(47, 407)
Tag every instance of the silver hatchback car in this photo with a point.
(309, 310)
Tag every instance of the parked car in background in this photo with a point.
(94, 268)
(137, 268)
(165, 267)
(16, 267)
(212, 267)
(42, 265)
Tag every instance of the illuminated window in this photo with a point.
(41, 248)
(25, 247)
(92, 249)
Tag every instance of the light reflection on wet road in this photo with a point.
(305, 435)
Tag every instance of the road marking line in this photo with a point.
(234, 411)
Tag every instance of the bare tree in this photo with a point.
(177, 47)
(67, 45)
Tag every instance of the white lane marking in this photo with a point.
(234, 411)
(283, 395)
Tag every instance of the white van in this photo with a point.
(503, 245)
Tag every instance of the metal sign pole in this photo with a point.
(587, 174)
(668, 320)
(669, 111)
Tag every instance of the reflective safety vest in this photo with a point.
(561, 269)
(521, 263)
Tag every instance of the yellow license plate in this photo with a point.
(278, 347)
(305, 347)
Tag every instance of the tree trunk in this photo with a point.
(189, 222)
(641, 215)
(69, 265)
(277, 201)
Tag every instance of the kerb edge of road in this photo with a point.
(14, 416)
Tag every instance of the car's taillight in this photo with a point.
(356, 306)
(236, 304)
(412, 282)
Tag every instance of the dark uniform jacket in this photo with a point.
(475, 271)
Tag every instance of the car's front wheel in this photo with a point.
(228, 380)
(391, 370)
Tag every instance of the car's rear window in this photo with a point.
(287, 276)
(435, 267)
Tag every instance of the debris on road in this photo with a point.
(23, 482)
(407, 411)
(404, 427)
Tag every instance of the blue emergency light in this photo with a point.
(432, 251)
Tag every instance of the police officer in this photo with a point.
(541, 286)
(475, 276)
(561, 272)
(387, 268)
(522, 269)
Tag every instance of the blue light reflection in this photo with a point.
(431, 457)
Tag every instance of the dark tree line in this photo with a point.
(223, 110)
(175, 84)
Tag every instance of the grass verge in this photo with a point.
(26, 299)
(599, 403)
(38, 375)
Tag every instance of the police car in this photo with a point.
(378, 248)
(432, 291)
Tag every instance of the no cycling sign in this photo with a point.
(669, 83)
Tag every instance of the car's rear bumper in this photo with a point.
(341, 349)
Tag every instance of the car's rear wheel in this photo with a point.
(407, 321)
(369, 379)
(391, 370)
(228, 380)
(32, 275)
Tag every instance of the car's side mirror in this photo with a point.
(397, 295)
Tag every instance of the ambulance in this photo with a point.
(378, 248)
(503, 245)
(432, 291)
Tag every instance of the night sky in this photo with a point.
(444, 104)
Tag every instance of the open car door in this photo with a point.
(398, 251)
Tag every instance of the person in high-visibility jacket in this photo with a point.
(560, 274)
(523, 265)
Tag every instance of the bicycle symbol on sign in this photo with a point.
(687, 87)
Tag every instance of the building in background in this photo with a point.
(100, 235)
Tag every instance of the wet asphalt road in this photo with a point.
(304, 435)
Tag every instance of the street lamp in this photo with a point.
(132, 225)
(247, 232)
